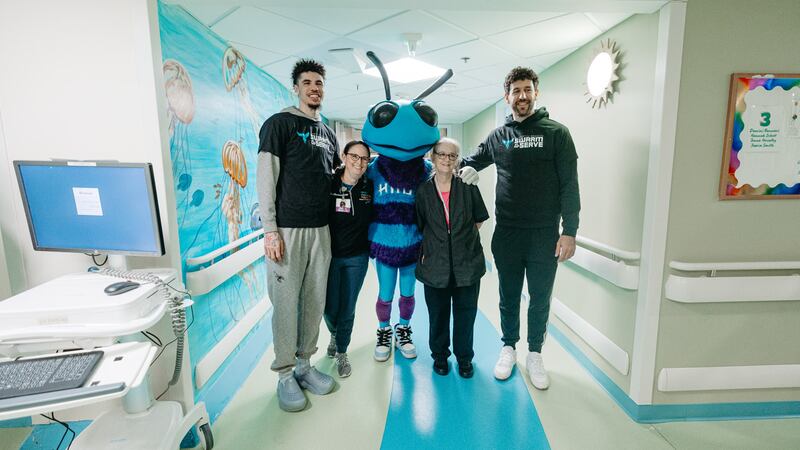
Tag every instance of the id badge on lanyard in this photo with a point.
(344, 205)
(343, 201)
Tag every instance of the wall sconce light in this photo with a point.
(602, 74)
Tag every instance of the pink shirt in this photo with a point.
(446, 200)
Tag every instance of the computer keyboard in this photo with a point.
(66, 395)
(52, 373)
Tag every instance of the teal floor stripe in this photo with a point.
(21, 422)
(429, 411)
(675, 413)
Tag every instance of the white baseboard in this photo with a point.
(605, 347)
(733, 289)
(728, 378)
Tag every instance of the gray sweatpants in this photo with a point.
(297, 287)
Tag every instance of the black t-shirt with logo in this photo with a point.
(537, 176)
(308, 153)
(350, 210)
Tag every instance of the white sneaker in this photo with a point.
(536, 371)
(403, 342)
(383, 348)
(506, 362)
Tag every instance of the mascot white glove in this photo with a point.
(469, 175)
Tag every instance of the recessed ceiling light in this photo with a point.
(407, 70)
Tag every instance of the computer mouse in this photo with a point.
(120, 287)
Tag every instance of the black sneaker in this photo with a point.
(466, 370)
(441, 367)
(331, 352)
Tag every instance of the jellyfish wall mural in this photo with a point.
(215, 111)
(180, 101)
(235, 76)
(236, 167)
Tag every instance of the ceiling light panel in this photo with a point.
(552, 35)
(408, 70)
(388, 34)
(268, 31)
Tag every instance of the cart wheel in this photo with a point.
(208, 437)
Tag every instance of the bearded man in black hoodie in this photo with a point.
(537, 184)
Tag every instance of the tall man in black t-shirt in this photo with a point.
(297, 155)
(537, 183)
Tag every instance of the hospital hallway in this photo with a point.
(169, 182)
(403, 404)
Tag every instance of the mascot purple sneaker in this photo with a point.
(401, 132)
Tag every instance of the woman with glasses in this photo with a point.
(350, 212)
(451, 263)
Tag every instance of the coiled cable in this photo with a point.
(175, 304)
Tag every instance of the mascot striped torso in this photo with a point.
(393, 234)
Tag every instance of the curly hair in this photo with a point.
(520, 73)
(306, 65)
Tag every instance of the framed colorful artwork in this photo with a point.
(761, 153)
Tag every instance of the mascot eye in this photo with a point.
(427, 114)
(382, 114)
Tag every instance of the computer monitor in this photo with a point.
(91, 207)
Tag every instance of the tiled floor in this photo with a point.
(401, 404)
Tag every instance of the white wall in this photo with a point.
(82, 80)
(722, 38)
(613, 145)
(78, 82)
(5, 285)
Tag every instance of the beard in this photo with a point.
(522, 109)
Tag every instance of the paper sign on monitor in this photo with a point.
(87, 201)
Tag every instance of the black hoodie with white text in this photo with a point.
(537, 175)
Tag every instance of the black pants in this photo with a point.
(519, 252)
(465, 307)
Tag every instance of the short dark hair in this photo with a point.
(306, 65)
(520, 73)
(352, 144)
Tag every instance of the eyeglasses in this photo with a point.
(450, 156)
(355, 158)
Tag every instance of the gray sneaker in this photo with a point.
(331, 347)
(290, 396)
(343, 365)
(315, 382)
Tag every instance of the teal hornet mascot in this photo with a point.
(401, 132)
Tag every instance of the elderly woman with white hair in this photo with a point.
(451, 263)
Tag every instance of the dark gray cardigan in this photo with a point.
(434, 266)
